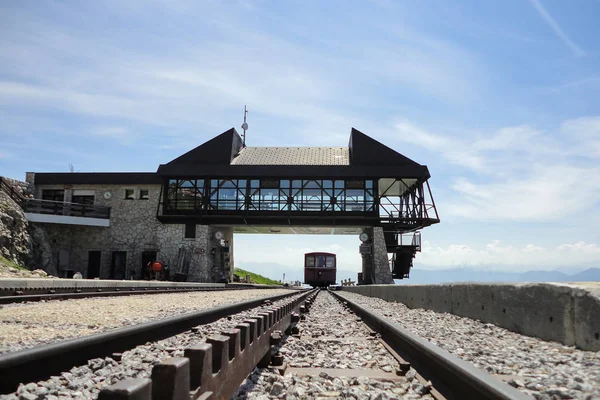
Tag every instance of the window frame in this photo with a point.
(132, 194)
(54, 192)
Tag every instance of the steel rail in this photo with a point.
(38, 363)
(214, 370)
(80, 293)
(451, 376)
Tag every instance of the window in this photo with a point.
(190, 231)
(89, 200)
(144, 194)
(54, 195)
(129, 194)
(310, 261)
(83, 196)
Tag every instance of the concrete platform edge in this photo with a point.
(564, 313)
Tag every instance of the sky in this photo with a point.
(498, 99)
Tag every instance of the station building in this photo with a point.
(110, 225)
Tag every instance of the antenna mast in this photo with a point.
(244, 127)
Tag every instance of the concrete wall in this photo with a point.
(565, 313)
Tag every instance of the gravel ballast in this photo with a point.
(85, 382)
(545, 370)
(333, 338)
(32, 324)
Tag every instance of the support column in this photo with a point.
(376, 267)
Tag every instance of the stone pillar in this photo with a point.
(220, 253)
(376, 266)
(228, 255)
(30, 179)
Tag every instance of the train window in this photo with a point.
(310, 261)
(320, 261)
(330, 262)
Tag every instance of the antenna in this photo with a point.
(244, 127)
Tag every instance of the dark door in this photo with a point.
(94, 258)
(147, 256)
(118, 265)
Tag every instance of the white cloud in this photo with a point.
(548, 193)
(524, 174)
(584, 133)
(507, 257)
(207, 75)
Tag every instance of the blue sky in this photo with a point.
(498, 99)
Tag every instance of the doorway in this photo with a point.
(94, 258)
(147, 256)
(118, 265)
(62, 267)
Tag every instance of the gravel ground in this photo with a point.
(545, 370)
(332, 337)
(85, 382)
(32, 324)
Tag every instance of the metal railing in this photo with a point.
(410, 239)
(12, 193)
(50, 207)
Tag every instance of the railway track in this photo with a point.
(310, 355)
(42, 362)
(300, 355)
(27, 294)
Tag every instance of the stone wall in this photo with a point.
(133, 229)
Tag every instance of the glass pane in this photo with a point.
(312, 184)
(269, 183)
(255, 183)
(285, 184)
(227, 184)
(320, 261)
(369, 184)
(330, 262)
(296, 184)
(355, 184)
(188, 184)
(339, 184)
(310, 261)
(328, 184)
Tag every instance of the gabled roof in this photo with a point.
(218, 150)
(365, 150)
(224, 156)
(292, 156)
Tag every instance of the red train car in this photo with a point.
(319, 269)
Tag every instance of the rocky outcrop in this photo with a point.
(14, 227)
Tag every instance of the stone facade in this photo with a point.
(134, 237)
(376, 266)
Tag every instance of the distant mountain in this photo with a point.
(425, 276)
(589, 275)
